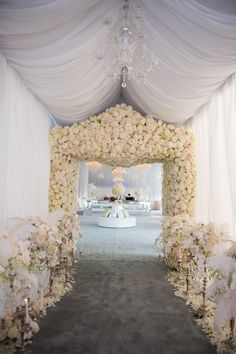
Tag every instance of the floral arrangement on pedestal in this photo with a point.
(204, 275)
(175, 231)
(118, 190)
(37, 257)
(120, 136)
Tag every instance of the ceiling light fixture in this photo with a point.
(126, 54)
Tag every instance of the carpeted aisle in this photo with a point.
(121, 303)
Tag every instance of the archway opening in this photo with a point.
(137, 188)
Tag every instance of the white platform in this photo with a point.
(116, 217)
(117, 222)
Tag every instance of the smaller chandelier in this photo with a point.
(94, 165)
(127, 54)
(118, 172)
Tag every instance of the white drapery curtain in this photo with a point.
(24, 149)
(214, 127)
(149, 180)
(52, 44)
(83, 182)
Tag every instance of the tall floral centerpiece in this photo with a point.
(118, 174)
(118, 190)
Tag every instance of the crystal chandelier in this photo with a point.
(126, 53)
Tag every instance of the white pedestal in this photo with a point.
(117, 218)
(117, 222)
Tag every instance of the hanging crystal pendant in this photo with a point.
(126, 55)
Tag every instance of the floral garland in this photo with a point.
(36, 259)
(203, 275)
(123, 137)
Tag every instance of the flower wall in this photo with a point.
(123, 137)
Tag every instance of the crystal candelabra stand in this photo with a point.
(126, 54)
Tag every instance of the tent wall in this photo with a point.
(214, 127)
(24, 149)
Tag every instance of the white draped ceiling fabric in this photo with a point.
(51, 44)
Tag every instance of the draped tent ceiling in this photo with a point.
(51, 44)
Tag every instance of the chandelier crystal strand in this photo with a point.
(126, 54)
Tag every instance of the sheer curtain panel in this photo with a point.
(214, 127)
(24, 149)
(83, 182)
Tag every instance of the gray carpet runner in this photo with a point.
(121, 302)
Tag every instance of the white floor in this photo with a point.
(99, 242)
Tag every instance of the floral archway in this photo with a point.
(121, 136)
